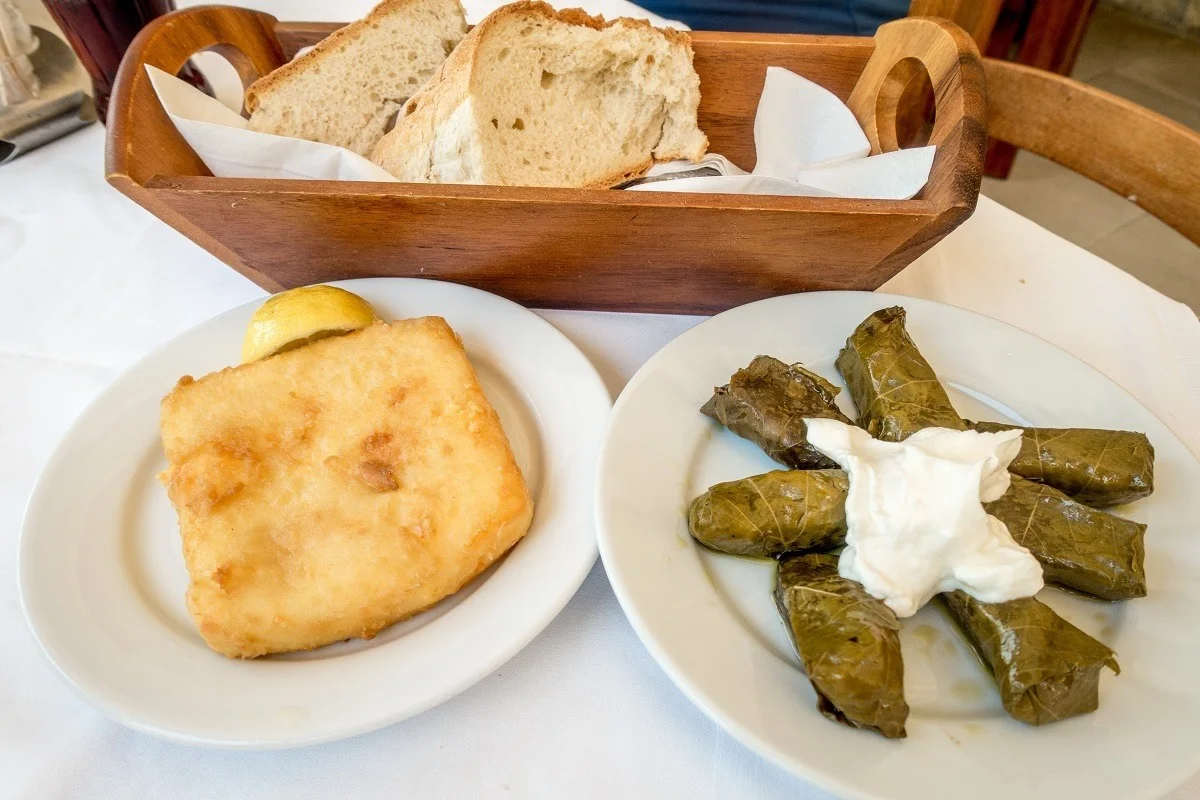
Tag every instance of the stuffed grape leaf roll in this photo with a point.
(848, 641)
(1096, 467)
(767, 401)
(766, 515)
(1045, 668)
(895, 390)
(1079, 547)
(786, 511)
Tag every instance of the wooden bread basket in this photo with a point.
(570, 248)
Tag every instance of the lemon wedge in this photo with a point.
(297, 317)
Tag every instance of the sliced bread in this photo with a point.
(348, 89)
(538, 97)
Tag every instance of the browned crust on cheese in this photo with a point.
(496, 532)
(313, 57)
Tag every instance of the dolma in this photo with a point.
(765, 515)
(767, 401)
(1096, 467)
(805, 510)
(1045, 667)
(1079, 547)
(892, 385)
(848, 641)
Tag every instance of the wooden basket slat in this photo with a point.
(564, 248)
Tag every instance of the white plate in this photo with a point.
(103, 579)
(710, 622)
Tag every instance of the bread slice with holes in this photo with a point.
(538, 97)
(348, 89)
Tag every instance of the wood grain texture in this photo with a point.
(1152, 160)
(1053, 33)
(1009, 24)
(569, 250)
(563, 248)
(949, 57)
(294, 36)
(976, 17)
(141, 140)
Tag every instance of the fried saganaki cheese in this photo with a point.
(330, 491)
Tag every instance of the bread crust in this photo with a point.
(451, 85)
(322, 49)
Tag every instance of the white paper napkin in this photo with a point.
(808, 143)
(231, 150)
(800, 124)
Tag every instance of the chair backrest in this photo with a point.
(1150, 159)
(976, 17)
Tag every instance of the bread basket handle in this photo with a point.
(142, 141)
(902, 49)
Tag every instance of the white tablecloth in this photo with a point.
(89, 282)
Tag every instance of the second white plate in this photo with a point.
(103, 579)
(710, 622)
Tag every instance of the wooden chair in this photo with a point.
(976, 17)
(1038, 33)
(1144, 156)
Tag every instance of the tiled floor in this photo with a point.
(1158, 70)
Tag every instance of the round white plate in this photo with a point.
(710, 622)
(103, 579)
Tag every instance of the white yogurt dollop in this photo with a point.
(915, 517)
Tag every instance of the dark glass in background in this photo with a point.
(101, 30)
